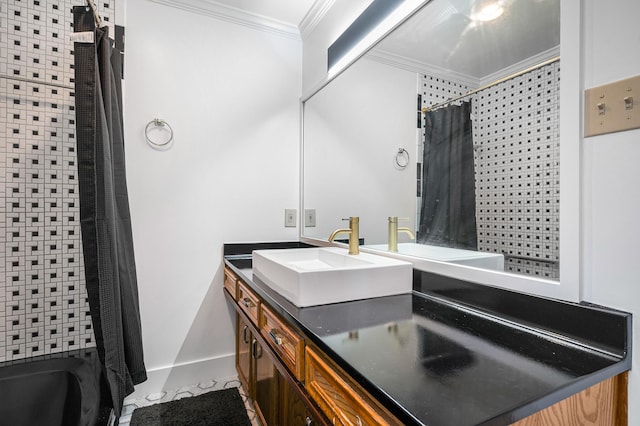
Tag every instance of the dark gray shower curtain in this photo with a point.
(109, 264)
(448, 211)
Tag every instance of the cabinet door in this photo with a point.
(243, 354)
(293, 410)
(266, 389)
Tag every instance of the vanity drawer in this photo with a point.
(287, 343)
(342, 401)
(231, 283)
(248, 302)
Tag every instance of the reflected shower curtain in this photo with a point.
(448, 210)
(104, 211)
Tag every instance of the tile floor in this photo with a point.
(131, 404)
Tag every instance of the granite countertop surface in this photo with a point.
(457, 353)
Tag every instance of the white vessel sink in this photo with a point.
(478, 259)
(318, 276)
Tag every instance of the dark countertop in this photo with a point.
(458, 353)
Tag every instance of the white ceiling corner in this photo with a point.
(239, 15)
(314, 16)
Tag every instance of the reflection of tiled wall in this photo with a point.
(517, 159)
(436, 90)
(43, 307)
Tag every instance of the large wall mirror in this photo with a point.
(474, 177)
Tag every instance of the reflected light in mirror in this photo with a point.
(407, 7)
(488, 12)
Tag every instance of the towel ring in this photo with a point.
(158, 123)
(402, 158)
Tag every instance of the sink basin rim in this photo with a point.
(344, 278)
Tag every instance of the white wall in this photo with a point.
(353, 129)
(231, 95)
(611, 176)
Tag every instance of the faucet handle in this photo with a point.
(396, 218)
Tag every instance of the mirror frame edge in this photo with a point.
(569, 287)
(571, 124)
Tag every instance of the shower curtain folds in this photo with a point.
(448, 209)
(104, 211)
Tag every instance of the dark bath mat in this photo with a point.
(217, 408)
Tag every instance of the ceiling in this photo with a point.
(289, 11)
(445, 35)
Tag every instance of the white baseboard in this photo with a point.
(173, 377)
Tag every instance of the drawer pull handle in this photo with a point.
(274, 336)
(244, 334)
(247, 302)
(308, 421)
(257, 349)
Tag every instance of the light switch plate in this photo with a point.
(613, 107)
(310, 218)
(290, 218)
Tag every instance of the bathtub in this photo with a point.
(61, 391)
(478, 259)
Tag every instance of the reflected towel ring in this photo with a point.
(402, 158)
(158, 123)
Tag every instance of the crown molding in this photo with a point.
(402, 62)
(388, 58)
(522, 65)
(234, 15)
(314, 16)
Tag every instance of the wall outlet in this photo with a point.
(290, 218)
(309, 218)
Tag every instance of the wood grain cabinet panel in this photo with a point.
(231, 283)
(287, 343)
(341, 400)
(243, 353)
(266, 385)
(603, 404)
(294, 410)
(249, 302)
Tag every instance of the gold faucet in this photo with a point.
(353, 231)
(393, 233)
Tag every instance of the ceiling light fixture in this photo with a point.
(489, 12)
(377, 20)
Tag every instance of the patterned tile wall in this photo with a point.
(43, 306)
(516, 136)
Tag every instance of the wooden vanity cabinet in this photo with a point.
(339, 397)
(244, 360)
(266, 387)
(248, 302)
(268, 355)
(272, 366)
(284, 340)
(294, 410)
(231, 283)
(257, 371)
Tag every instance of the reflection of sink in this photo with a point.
(478, 259)
(317, 276)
